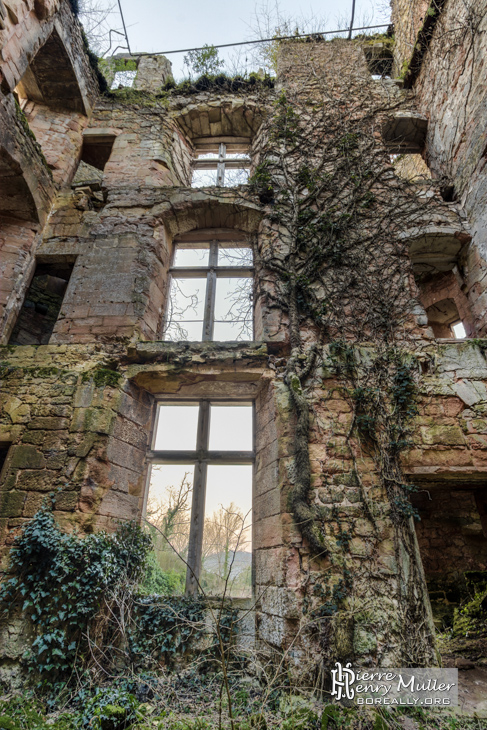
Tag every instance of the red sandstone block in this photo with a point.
(437, 456)
(433, 410)
(126, 321)
(79, 330)
(40, 124)
(290, 530)
(339, 406)
(126, 481)
(130, 432)
(267, 478)
(479, 456)
(113, 331)
(126, 455)
(268, 504)
(269, 566)
(453, 406)
(268, 532)
(119, 506)
(267, 455)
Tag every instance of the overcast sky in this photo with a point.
(155, 25)
(230, 429)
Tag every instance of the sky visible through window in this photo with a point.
(212, 303)
(154, 27)
(230, 430)
(226, 527)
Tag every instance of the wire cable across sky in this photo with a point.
(250, 43)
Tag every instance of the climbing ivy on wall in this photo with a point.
(338, 271)
(60, 582)
(82, 598)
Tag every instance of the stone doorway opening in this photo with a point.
(452, 537)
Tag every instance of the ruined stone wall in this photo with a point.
(78, 412)
(25, 31)
(122, 244)
(60, 136)
(122, 253)
(450, 534)
(449, 453)
(407, 17)
(449, 88)
(44, 65)
(74, 427)
(149, 149)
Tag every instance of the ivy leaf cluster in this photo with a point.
(164, 627)
(60, 580)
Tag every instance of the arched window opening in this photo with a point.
(50, 79)
(221, 138)
(55, 109)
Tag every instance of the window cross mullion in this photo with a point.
(220, 170)
(195, 546)
(209, 314)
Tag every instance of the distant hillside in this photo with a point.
(214, 563)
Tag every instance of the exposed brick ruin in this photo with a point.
(85, 364)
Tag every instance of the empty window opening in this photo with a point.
(123, 79)
(50, 79)
(97, 149)
(411, 167)
(448, 193)
(444, 319)
(95, 154)
(459, 331)
(211, 292)
(379, 59)
(42, 304)
(4, 448)
(199, 507)
(222, 163)
(452, 538)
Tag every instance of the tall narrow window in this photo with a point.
(211, 288)
(4, 448)
(200, 497)
(221, 163)
(42, 305)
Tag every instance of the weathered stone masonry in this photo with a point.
(78, 412)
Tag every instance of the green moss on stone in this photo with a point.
(26, 456)
(102, 377)
(12, 504)
(30, 134)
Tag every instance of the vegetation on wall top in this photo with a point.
(221, 83)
